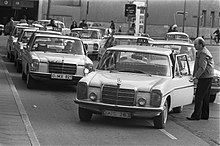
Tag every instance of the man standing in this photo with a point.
(203, 71)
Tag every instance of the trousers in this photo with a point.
(202, 95)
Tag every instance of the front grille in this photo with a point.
(62, 68)
(118, 96)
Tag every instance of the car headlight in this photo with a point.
(156, 98)
(88, 68)
(34, 65)
(81, 90)
(143, 99)
(95, 46)
(216, 80)
(94, 94)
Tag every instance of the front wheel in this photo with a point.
(30, 81)
(84, 114)
(160, 121)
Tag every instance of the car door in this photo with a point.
(183, 89)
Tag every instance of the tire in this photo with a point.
(160, 121)
(84, 114)
(30, 81)
(178, 109)
(212, 98)
(11, 58)
(18, 67)
(23, 76)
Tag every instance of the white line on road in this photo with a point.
(168, 134)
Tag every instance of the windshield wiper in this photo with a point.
(134, 71)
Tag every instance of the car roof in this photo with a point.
(178, 33)
(55, 36)
(95, 29)
(173, 42)
(145, 49)
(131, 37)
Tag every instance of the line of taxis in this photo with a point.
(136, 76)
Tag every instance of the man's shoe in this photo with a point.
(191, 118)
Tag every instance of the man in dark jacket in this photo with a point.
(203, 72)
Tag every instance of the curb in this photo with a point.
(30, 131)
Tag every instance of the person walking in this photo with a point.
(112, 27)
(217, 35)
(73, 25)
(83, 24)
(203, 72)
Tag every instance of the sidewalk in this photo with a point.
(15, 128)
(208, 130)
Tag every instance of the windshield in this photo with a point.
(135, 62)
(87, 34)
(58, 45)
(190, 51)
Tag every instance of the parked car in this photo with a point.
(124, 40)
(136, 81)
(178, 36)
(1, 29)
(12, 39)
(22, 41)
(46, 58)
(60, 26)
(93, 39)
(188, 48)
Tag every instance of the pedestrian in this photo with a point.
(131, 30)
(23, 19)
(170, 29)
(83, 24)
(174, 28)
(217, 35)
(203, 72)
(73, 25)
(10, 26)
(112, 27)
(53, 24)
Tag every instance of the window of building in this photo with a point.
(203, 18)
(212, 18)
(67, 2)
(219, 19)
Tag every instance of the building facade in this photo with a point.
(152, 16)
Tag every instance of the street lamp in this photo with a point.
(184, 13)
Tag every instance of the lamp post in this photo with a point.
(184, 15)
(145, 16)
(48, 9)
(198, 18)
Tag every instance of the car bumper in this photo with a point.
(215, 89)
(47, 77)
(143, 112)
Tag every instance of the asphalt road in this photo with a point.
(54, 118)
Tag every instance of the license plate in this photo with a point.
(61, 76)
(118, 114)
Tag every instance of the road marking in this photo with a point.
(168, 134)
(33, 138)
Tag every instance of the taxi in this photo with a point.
(93, 39)
(136, 81)
(22, 41)
(184, 47)
(46, 57)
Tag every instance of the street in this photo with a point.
(54, 118)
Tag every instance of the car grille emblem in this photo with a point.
(119, 81)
